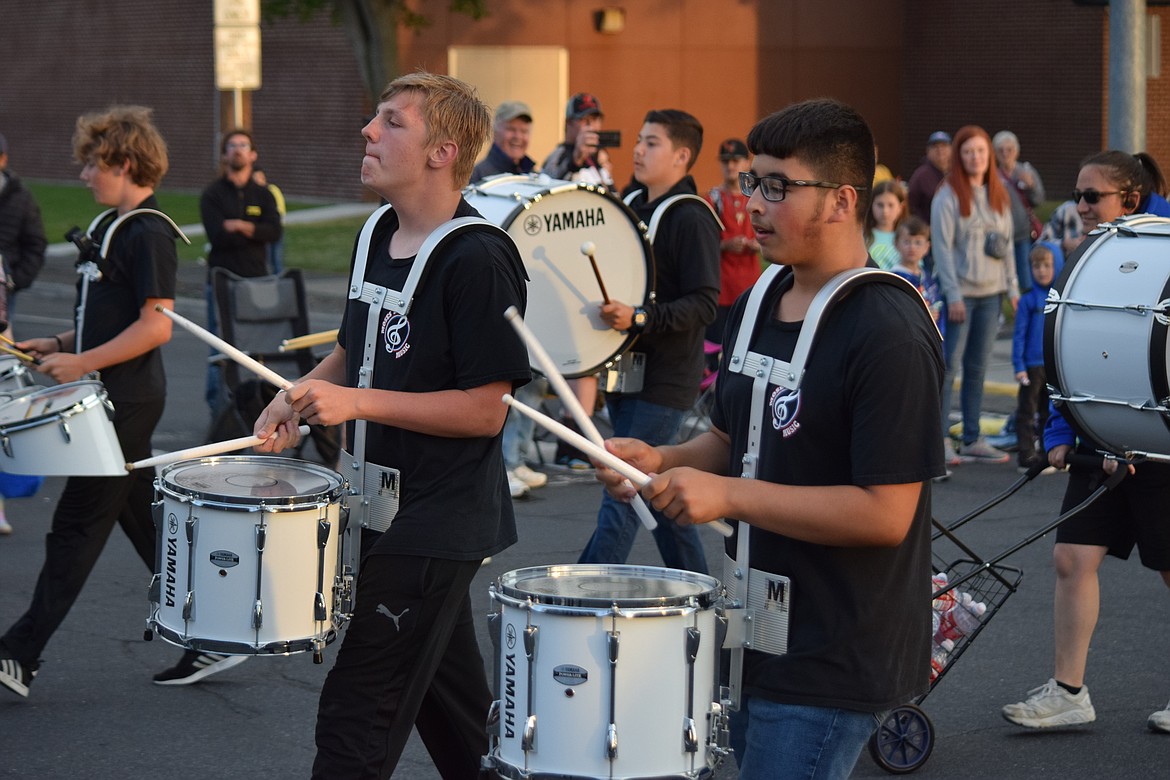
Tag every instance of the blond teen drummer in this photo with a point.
(841, 500)
(123, 158)
(432, 412)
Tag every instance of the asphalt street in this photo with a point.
(94, 713)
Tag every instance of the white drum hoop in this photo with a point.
(14, 375)
(214, 484)
(1105, 338)
(550, 220)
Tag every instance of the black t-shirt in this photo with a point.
(686, 286)
(141, 263)
(866, 414)
(454, 500)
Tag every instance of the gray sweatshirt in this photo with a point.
(957, 242)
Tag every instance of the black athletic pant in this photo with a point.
(85, 515)
(409, 658)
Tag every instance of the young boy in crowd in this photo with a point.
(1028, 359)
(912, 240)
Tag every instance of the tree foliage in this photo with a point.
(371, 27)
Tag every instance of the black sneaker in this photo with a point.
(15, 676)
(195, 665)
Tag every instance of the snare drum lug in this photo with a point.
(492, 726)
(690, 736)
(63, 426)
(323, 529)
(528, 741)
(4, 441)
(530, 642)
(693, 637)
(613, 642)
(261, 534)
(189, 605)
(611, 742)
(257, 614)
(154, 591)
(319, 607)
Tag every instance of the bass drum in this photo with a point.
(1105, 345)
(550, 220)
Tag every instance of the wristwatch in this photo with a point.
(638, 321)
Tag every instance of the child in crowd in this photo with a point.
(913, 243)
(886, 211)
(1028, 359)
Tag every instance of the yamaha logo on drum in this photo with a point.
(172, 524)
(510, 636)
(564, 220)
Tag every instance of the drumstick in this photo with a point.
(308, 340)
(597, 453)
(569, 399)
(244, 359)
(587, 249)
(22, 355)
(203, 451)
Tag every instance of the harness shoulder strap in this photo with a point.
(673, 200)
(117, 223)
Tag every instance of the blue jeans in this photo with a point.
(518, 429)
(775, 741)
(617, 523)
(970, 341)
(1023, 264)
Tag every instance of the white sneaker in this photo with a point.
(530, 477)
(1051, 706)
(979, 451)
(5, 528)
(517, 488)
(1160, 720)
(950, 458)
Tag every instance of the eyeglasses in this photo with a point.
(775, 188)
(1092, 197)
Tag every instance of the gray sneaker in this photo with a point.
(1160, 720)
(979, 451)
(1051, 706)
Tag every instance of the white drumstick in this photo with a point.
(202, 451)
(244, 359)
(597, 453)
(569, 399)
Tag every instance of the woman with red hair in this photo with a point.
(971, 241)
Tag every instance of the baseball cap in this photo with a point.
(731, 149)
(582, 105)
(510, 109)
(938, 137)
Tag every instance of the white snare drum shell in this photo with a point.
(572, 618)
(63, 430)
(248, 554)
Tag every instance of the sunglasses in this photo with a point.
(1092, 197)
(775, 188)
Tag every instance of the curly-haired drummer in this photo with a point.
(124, 158)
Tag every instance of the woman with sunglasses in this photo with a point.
(971, 241)
(1110, 185)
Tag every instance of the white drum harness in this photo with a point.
(760, 601)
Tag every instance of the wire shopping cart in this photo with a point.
(904, 738)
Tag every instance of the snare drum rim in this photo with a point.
(64, 413)
(509, 587)
(248, 503)
(543, 186)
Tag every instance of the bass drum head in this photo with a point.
(550, 221)
(1105, 346)
(595, 586)
(251, 480)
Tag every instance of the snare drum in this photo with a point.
(65, 430)
(1105, 338)
(605, 671)
(248, 555)
(550, 220)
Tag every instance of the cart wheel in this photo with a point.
(903, 740)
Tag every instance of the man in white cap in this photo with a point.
(511, 132)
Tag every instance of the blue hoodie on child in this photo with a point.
(1028, 338)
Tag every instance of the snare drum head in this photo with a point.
(550, 221)
(602, 585)
(30, 405)
(251, 480)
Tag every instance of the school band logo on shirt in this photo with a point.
(396, 334)
(785, 406)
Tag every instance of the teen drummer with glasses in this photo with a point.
(840, 502)
(1110, 185)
